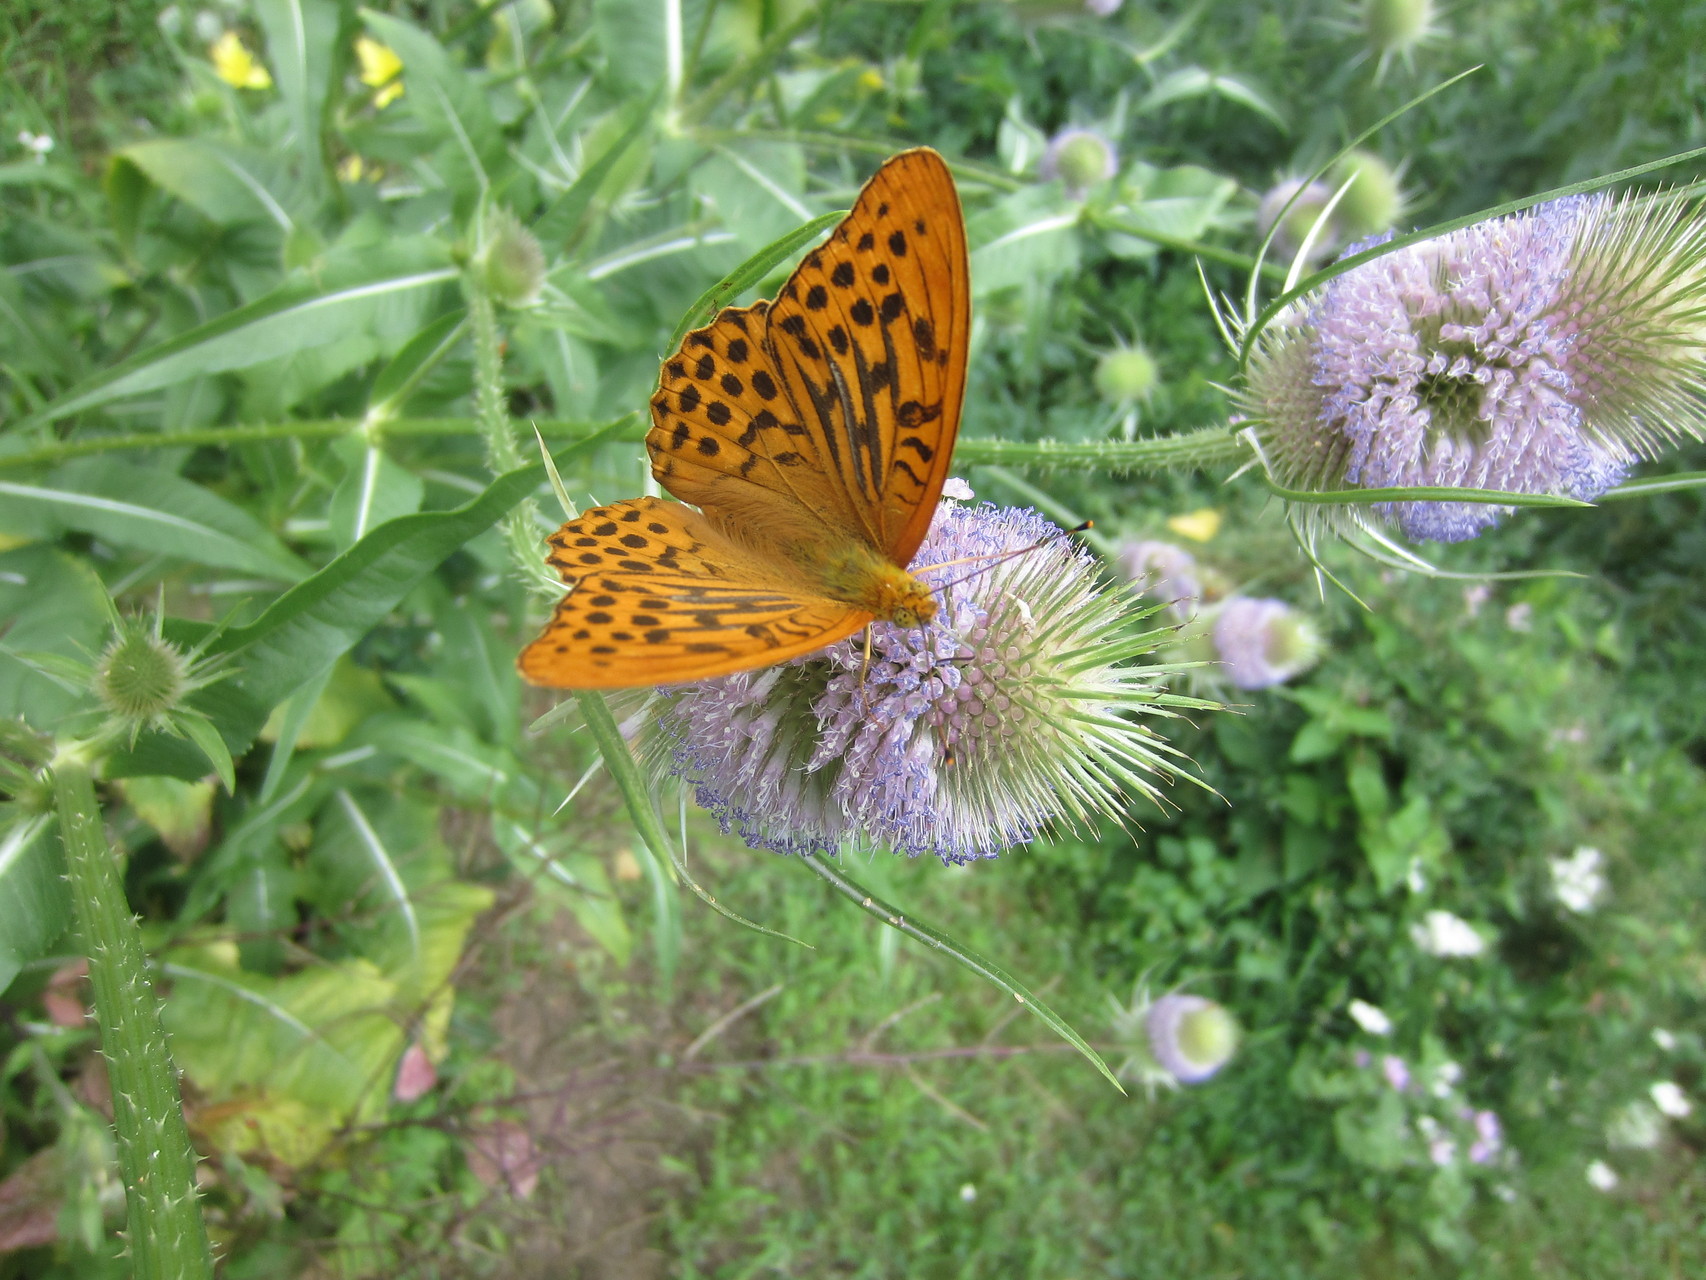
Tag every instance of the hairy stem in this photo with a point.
(166, 1236)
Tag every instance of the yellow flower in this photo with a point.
(235, 65)
(351, 169)
(381, 69)
(1199, 525)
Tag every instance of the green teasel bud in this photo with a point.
(511, 261)
(1126, 375)
(140, 677)
(1396, 27)
(1372, 202)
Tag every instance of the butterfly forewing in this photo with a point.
(726, 437)
(871, 335)
(659, 594)
(842, 398)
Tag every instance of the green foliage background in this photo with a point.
(237, 375)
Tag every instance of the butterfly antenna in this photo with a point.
(990, 561)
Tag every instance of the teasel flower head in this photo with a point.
(1080, 158)
(1165, 572)
(1261, 643)
(1395, 29)
(1542, 352)
(1022, 702)
(1174, 1039)
(512, 261)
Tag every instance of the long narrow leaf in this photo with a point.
(300, 315)
(152, 510)
(895, 918)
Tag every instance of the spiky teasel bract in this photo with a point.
(1016, 706)
(1541, 352)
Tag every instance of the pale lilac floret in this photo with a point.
(1262, 643)
(1455, 363)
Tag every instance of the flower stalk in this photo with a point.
(166, 1235)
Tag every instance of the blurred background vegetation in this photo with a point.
(432, 1025)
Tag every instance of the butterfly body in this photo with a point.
(814, 432)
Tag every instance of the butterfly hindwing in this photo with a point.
(659, 594)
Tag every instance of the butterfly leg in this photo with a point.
(865, 670)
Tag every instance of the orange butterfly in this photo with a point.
(813, 432)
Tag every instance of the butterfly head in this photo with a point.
(896, 596)
(902, 599)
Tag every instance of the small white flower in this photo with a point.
(1635, 1126)
(1442, 1151)
(1665, 1040)
(1601, 1176)
(1446, 1076)
(957, 489)
(37, 143)
(1669, 1098)
(1520, 617)
(1371, 1018)
(1577, 880)
(968, 1193)
(1439, 933)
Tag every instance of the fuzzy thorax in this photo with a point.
(861, 577)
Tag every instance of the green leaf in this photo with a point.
(446, 99)
(227, 184)
(342, 303)
(417, 357)
(1029, 236)
(319, 619)
(200, 731)
(151, 510)
(749, 273)
(49, 602)
(35, 905)
(562, 222)
(1188, 83)
(302, 47)
(374, 490)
